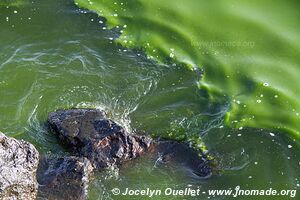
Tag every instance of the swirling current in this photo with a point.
(55, 55)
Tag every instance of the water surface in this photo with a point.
(54, 55)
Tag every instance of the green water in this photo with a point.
(5, 3)
(249, 50)
(54, 55)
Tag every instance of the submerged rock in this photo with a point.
(89, 133)
(18, 165)
(64, 178)
(179, 153)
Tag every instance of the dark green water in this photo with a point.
(53, 55)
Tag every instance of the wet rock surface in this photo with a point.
(64, 178)
(89, 133)
(18, 165)
(181, 154)
(96, 142)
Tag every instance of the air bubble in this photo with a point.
(266, 84)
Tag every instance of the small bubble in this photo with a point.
(266, 84)
(272, 134)
(258, 101)
(290, 146)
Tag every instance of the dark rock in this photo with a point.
(180, 153)
(63, 178)
(91, 134)
(18, 165)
